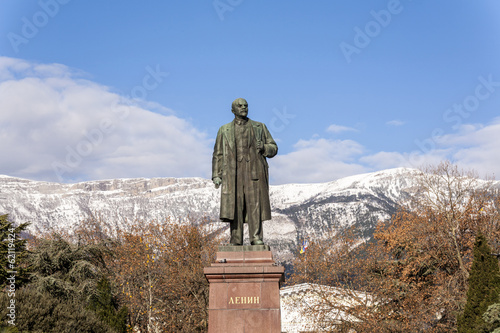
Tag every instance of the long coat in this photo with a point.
(224, 167)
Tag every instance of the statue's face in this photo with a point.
(240, 108)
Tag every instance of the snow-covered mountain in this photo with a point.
(299, 210)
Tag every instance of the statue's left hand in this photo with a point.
(260, 146)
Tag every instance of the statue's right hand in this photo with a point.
(217, 181)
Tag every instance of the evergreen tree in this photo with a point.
(105, 304)
(12, 252)
(41, 312)
(64, 282)
(484, 289)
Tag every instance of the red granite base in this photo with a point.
(244, 293)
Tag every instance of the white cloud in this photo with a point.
(477, 147)
(317, 160)
(388, 160)
(339, 129)
(395, 122)
(58, 126)
(473, 146)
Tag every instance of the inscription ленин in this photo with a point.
(244, 300)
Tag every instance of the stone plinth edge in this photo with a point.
(244, 273)
(254, 258)
(244, 248)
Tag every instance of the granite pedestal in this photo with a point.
(244, 291)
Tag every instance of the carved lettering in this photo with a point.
(244, 300)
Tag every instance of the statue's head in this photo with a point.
(240, 107)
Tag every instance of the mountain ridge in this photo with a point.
(299, 210)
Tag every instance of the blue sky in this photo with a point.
(112, 89)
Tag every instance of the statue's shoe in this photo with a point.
(257, 242)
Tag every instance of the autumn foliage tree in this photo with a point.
(333, 262)
(143, 276)
(158, 268)
(416, 269)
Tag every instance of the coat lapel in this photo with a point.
(257, 130)
(229, 135)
